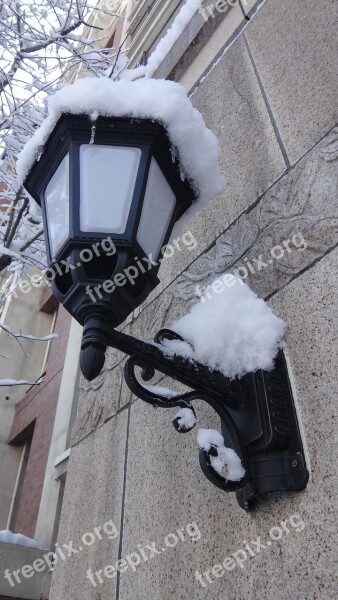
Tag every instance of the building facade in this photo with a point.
(140, 516)
(35, 429)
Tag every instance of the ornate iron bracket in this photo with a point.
(257, 412)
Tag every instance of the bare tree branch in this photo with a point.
(40, 45)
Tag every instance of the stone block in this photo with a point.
(212, 46)
(93, 499)
(248, 5)
(294, 224)
(27, 582)
(300, 76)
(98, 401)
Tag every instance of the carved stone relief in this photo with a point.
(303, 205)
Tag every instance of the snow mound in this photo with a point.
(165, 45)
(161, 391)
(7, 537)
(185, 418)
(232, 331)
(227, 463)
(161, 100)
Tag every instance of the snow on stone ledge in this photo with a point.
(7, 537)
(232, 331)
(166, 43)
(160, 100)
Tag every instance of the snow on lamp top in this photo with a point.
(160, 100)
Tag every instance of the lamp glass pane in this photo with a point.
(57, 206)
(107, 181)
(158, 206)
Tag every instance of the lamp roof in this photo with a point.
(163, 101)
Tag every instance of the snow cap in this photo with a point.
(8, 537)
(230, 330)
(227, 462)
(161, 100)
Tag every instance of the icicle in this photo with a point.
(173, 153)
(39, 152)
(183, 175)
(94, 115)
(93, 131)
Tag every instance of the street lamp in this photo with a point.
(113, 180)
(110, 193)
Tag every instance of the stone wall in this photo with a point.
(270, 99)
(26, 575)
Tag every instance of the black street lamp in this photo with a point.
(110, 194)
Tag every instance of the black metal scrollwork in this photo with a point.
(270, 450)
(155, 398)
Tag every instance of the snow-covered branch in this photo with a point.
(26, 336)
(40, 45)
(12, 382)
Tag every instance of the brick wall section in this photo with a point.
(37, 409)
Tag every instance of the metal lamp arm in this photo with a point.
(258, 416)
(98, 335)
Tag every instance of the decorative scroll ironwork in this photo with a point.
(257, 412)
(184, 401)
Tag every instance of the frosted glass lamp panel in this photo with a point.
(158, 207)
(107, 181)
(57, 206)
